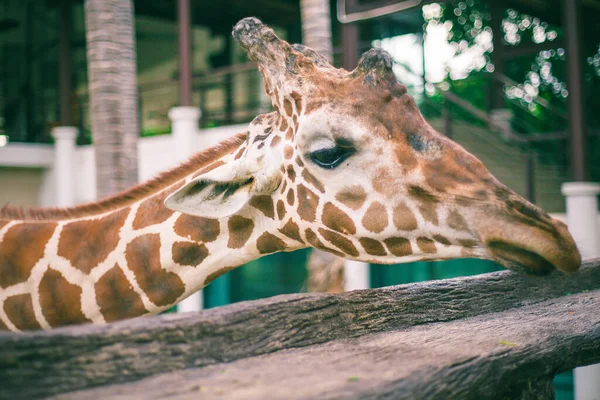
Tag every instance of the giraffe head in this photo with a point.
(346, 163)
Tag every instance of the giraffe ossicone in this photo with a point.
(346, 164)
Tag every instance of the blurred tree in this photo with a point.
(110, 33)
(533, 79)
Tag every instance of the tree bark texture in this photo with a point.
(111, 59)
(497, 335)
(316, 26)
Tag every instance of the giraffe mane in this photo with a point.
(131, 195)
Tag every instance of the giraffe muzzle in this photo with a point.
(534, 246)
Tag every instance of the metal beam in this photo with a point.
(350, 37)
(575, 100)
(65, 64)
(185, 49)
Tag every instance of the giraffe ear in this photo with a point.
(216, 194)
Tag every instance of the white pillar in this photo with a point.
(64, 164)
(184, 127)
(582, 211)
(356, 275)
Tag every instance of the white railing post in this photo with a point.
(184, 127)
(582, 211)
(64, 164)
(356, 275)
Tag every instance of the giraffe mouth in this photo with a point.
(519, 259)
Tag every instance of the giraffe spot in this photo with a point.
(269, 243)
(283, 187)
(404, 219)
(260, 145)
(186, 253)
(422, 195)
(280, 209)
(312, 106)
(372, 246)
(87, 243)
(310, 178)
(295, 121)
(259, 159)
(276, 140)
(287, 107)
(153, 211)
(382, 182)
(19, 310)
(307, 204)
(116, 298)
(398, 246)
(338, 220)
(375, 219)
(352, 196)
(198, 229)
(21, 248)
(457, 222)
(291, 230)
(240, 229)
(209, 168)
(291, 172)
(239, 154)
(288, 152)
(426, 245)
(290, 197)
(444, 174)
(297, 101)
(339, 241)
(467, 243)
(143, 258)
(405, 156)
(467, 253)
(316, 243)
(442, 239)
(429, 213)
(481, 195)
(299, 162)
(60, 300)
(289, 135)
(283, 125)
(264, 203)
(214, 275)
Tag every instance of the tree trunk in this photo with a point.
(113, 92)
(316, 26)
(325, 271)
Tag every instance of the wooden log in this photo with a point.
(40, 364)
(506, 355)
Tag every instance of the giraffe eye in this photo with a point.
(331, 157)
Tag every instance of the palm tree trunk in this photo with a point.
(111, 55)
(325, 271)
(316, 26)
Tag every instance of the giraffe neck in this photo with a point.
(139, 258)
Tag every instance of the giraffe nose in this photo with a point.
(523, 237)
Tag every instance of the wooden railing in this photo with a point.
(498, 335)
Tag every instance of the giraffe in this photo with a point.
(345, 163)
